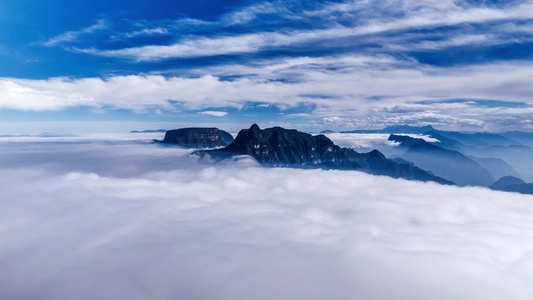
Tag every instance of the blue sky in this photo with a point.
(312, 65)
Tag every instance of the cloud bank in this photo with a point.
(139, 221)
(350, 87)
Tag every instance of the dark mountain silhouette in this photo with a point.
(513, 184)
(327, 131)
(198, 137)
(148, 131)
(444, 163)
(279, 147)
(506, 181)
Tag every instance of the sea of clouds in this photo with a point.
(126, 219)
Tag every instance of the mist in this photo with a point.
(116, 219)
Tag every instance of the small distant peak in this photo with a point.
(327, 131)
(376, 153)
(503, 183)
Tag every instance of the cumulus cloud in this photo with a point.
(360, 86)
(214, 113)
(183, 228)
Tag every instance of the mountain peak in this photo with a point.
(198, 137)
(255, 128)
(407, 129)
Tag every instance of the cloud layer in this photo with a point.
(348, 87)
(140, 221)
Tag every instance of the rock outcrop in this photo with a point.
(198, 137)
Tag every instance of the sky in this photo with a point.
(133, 220)
(311, 65)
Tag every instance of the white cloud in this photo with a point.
(193, 47)
(214, 113)
(146, 31)
(195, 231)
(370, 141)
(344, 84)
(73, 35)
(426, 14)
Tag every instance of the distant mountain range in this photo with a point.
(482, 159)
(148, 131)
(449, 164)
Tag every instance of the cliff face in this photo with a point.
(198, 137)
(279, 147)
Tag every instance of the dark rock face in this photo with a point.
(198, 137)
(279, 147)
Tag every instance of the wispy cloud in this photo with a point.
(71, 36)
(146, 31)
(422, 16)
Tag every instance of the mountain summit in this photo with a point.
(198, 137)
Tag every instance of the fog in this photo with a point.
(109, 219)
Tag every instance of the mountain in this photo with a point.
(525, 138)
(519, 157)
(407, 129)
(496, 166)
(279, 147)
(503, 183)
(148, 131)
(472, 141)
(198, 137)
(513, 184)
(445, 163)
(444, 141)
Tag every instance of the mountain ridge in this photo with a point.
(279, 147)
